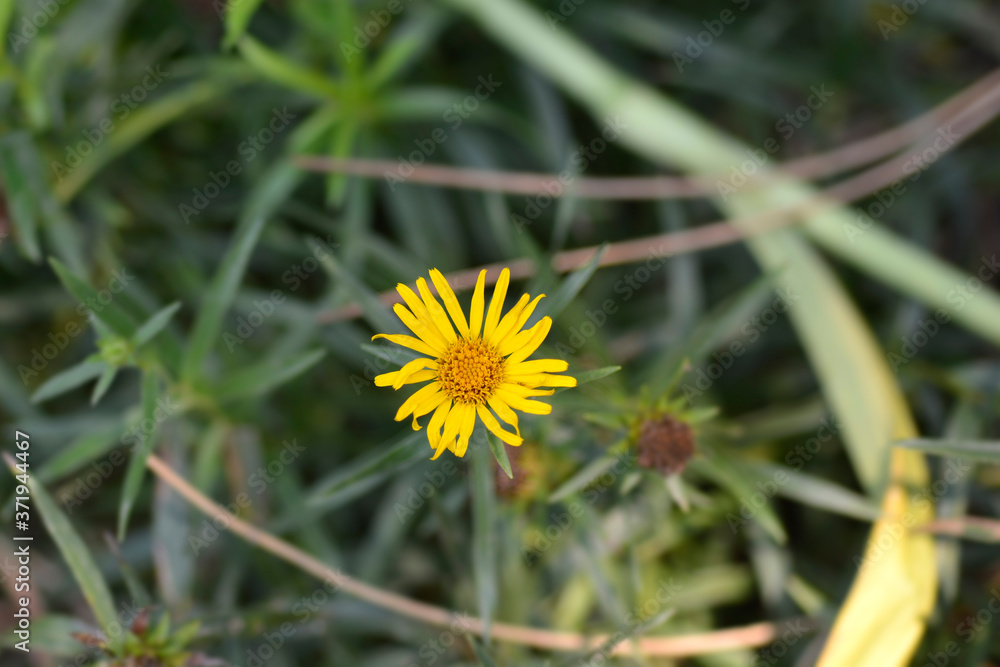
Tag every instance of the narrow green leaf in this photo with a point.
(141, 123)
(155, 324)
(816, 492)
(279, 69)
(6, 12)
(585, 476)
(405, 47)
(237, 17)
(53, 634)
(110, 314)
(274, 187)
(21, 199)
(975, 529)
(71, 378)
(567, 290)
(81, 451)
(482, 655)
(719, 325)
(359, 476)
(735, 478)
(140, 451)
(376, 313)
(265, 377)
(73, 549)
(987, 451)
(103, 384)
(483, 530)
(397, 355)
(584, 377)
(500, 454)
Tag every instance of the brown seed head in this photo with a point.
(665, 444)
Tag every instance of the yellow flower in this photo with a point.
(480, 368)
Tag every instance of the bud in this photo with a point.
(665, 444)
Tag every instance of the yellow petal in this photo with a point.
(476, 312)
(410, 368)
(468, 425)
(450, 302)
(389, 379)
(494, 426)
(496, 303)
(539, 332)
(423, 328)
(504, 412)
(419, 397)
(420, 310)
(525, 392)
(437, 420)
(410, 342)
(506, 345)
(452, 425)
(523, 404)
(507, 321)
(430, 404)
(543, 380)
(437, 313)
(537, 366)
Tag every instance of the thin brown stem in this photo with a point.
(975, 108)
(748, 636)
(858, 153)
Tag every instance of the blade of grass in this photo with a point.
(274, 187)
(74, 551)
(140, 452)
(69, 379)
(484, 564)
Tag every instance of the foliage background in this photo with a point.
(299, 377)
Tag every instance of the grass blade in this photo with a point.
(483, 532)
(265, 377)
(140, 452)
(74, 551)
(69, 379)
(987, 451)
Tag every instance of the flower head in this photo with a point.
(478, 370)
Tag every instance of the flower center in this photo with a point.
(470, 371)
